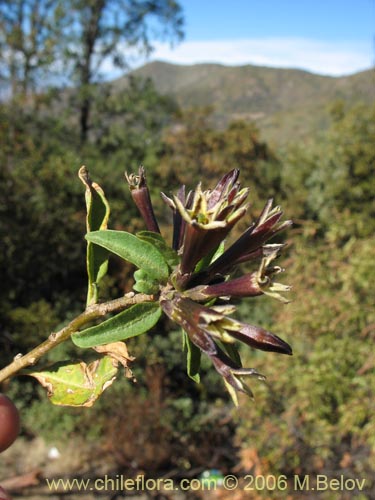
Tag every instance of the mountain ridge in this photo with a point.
(282, 102)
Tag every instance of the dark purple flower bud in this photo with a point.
(227, 184)
(258, 338)
(244, 286)
(214, 322)
(141, 197)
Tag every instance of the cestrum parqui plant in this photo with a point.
(190, 280)
(198, 291)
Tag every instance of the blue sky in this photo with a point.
(332, 37)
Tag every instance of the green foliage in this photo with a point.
(318, 415)
(51, 422)
(40, 231)
(342, 187)
(331, 180)
(28, 325)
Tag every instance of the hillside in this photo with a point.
(284, 103)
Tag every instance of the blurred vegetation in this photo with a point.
(315, 413)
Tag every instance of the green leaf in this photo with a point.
(97, 219)
(77, 384)
(193, 358)
(159, 242)
(144, 283)
(129, 323)
(140, 253)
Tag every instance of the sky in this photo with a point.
(330, 37)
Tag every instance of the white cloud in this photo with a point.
(328, 58)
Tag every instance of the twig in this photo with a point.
(17, 483)
(91, 313)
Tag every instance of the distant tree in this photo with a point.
(29, 34)
(109, 29)
(127, 123)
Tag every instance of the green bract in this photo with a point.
(139, 252)
(129, 323)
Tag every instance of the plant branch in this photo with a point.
(91, 313)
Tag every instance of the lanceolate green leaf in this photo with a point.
(129, 323)
(140, 253)
(97, 219)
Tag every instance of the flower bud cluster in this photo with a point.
(197, 296)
